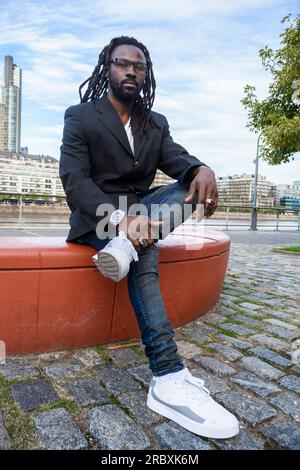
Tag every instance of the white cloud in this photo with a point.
(204, 53)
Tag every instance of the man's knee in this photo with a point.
(147, 262)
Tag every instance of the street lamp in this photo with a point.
(254, 206)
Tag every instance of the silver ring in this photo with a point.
(209, 201)
(142, 241)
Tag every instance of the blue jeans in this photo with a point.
(144, 290)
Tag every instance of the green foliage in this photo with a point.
(277, 117)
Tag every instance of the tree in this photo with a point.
(278, 116)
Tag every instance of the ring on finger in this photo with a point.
(142, 242)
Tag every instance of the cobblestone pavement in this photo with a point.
(244, 348)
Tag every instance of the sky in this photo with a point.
(204, 52)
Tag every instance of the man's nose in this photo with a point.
(131, 71)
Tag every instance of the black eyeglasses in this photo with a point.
(125, 64)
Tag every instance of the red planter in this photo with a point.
(52, 297)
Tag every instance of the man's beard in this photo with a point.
(127, 96)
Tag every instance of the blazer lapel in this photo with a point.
(139, 143)
(110, 118)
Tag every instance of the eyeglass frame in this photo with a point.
(129, 63)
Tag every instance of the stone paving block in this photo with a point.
(49, 357)
(89, 357)
(261, 368)
(274, 302)
(86, 392)
(249, 321)
(125, 357)
(136, 402)
(116, 380)
(214, 384)
(257, 297)
(238, 329)
(296, 369)
(114, 430)
(57, 430)
(271, 356)
(285, 435)
(252, 313)
(238, 290)
(63, 370)
(219, 368)
(196, 335)
(280, 315)
(250, 306)
(272, 343)
(254, 384)
(217, 309)
(230, 353)
(5, 441)
(142, 373)
(240, 442)
(214, 318)
(204, 328)
(228, 304)
(240, 344)
(245, 408)
(291, 382)
(281, 332)
(289, 404)
(187, 350)
(16, 368)
(171, 436)
(33, 393)
(293, 307)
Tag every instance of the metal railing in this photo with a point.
(262, 210)
(229, 221)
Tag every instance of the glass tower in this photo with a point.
(10, 107)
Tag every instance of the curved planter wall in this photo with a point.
(52, 297)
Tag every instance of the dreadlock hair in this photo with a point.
(98, 83)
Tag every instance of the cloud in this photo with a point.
(204, 53)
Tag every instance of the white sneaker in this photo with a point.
(115, 258)
(184, 399)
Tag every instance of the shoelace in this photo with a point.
(199, 383)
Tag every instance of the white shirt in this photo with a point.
(128, 130)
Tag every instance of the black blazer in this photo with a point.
(97, 164)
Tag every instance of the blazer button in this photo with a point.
(136, 163)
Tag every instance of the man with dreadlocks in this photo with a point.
(113, 143)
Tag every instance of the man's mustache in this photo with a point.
(130, 82)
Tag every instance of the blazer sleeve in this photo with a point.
(75, 168)
(175, 161)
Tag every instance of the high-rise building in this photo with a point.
(296, 185)
(1, 122)
(29, 174)
(10, 107)
(237, 190)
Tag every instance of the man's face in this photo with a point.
(127, 83)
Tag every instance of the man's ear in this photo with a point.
(106, 75)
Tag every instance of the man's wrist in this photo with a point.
(116, 217)
(194, 172)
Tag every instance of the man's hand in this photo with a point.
(204, 183)
(138, 226)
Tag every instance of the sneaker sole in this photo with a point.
(196, 428)
(111, 266)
